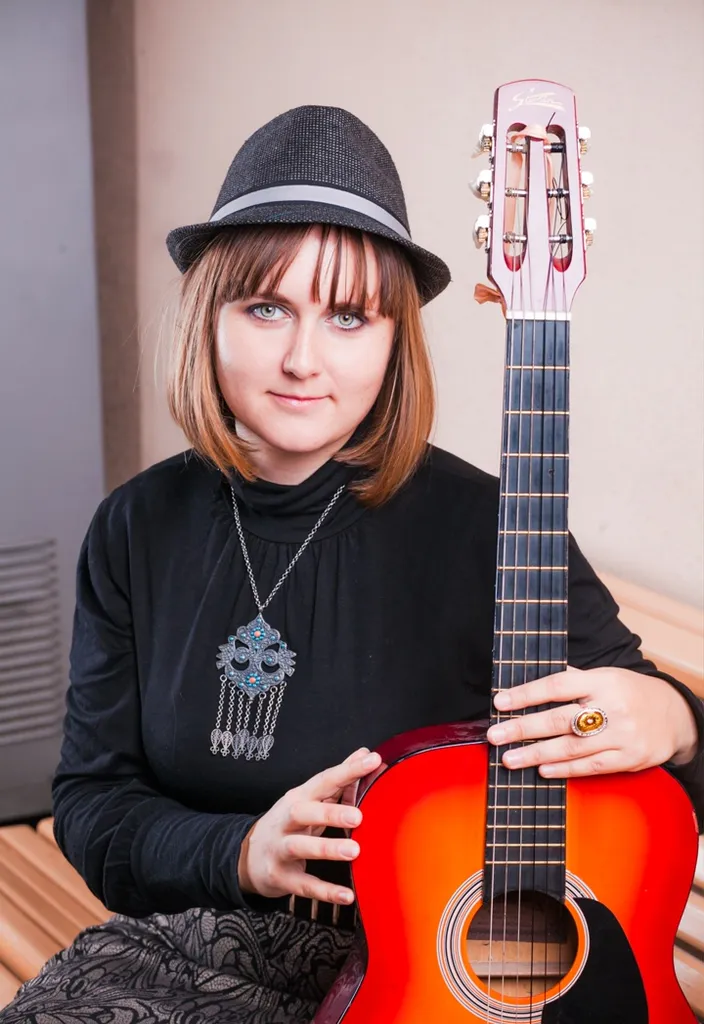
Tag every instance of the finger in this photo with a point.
(602, 762)
(312, 888)
(304, 814)
(560, 686)
(349, 795)
(303, 847)
(333, 781)
(555, 722)
(561, 748)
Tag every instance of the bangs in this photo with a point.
(253, 261)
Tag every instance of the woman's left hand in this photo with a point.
(649, 723)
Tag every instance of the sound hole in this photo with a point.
(522, 944)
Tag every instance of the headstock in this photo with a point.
(535, 234)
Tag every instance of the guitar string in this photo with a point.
(567, 220)
(558, 788)
(498, 682)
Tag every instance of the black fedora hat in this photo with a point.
(314, 165)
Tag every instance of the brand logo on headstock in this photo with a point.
(536, 99)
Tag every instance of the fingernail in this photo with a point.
(361, 752)
(350, 850)
(346, 896)
(512, 758)
(497, 734)
(502, 701)
(370, 761)
(548, 770)
(352, 817)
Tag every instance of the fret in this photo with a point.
(531, 494)
(530, 632)
(533, 807)
(531, 600)
(529, 825)
(534, 533)
(533, 568)
(536, 412)
(523, 786)
(540, 661)
(514, 863)
(523, 846)
(535, 455)
(534, 366)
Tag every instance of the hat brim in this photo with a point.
(187, 243)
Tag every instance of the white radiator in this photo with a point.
(31, 684)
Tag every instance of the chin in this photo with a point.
(299, 441)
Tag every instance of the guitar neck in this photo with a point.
(530, 626)
(526, 814)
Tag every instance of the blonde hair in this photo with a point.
(234, 267)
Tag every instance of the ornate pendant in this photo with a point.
(254, 693)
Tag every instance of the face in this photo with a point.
(298, 376)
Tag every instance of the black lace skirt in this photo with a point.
(200, 967)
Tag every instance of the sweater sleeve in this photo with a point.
(138, 850)
(597, 638)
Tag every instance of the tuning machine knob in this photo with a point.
(486, 140)
(481, 231)
(587, 184)
(481, 186)
(589, 230)
(584, 136)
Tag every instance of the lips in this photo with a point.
(298, 399)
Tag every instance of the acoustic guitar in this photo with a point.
(493, 895)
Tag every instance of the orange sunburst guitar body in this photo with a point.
(497, 896)
(631, 848)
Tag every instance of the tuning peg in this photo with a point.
(587, 184)
(584, 136)
(481, 186)
(481, 231)
(589, 230)
(486, 140)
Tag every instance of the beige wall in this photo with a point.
(422, 74)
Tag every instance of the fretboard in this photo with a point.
(525, 835)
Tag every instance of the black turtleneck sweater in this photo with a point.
(390, 613)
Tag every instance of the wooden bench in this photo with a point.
(44, 903)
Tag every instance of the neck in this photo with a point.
(286, 467)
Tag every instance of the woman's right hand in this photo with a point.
(274, 852)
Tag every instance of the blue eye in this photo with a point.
(265, 311)
(346, 320)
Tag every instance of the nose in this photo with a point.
(302, 357)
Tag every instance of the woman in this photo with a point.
(312, 521)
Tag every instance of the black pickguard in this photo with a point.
(610, 989)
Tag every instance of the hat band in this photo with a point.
(313, 194)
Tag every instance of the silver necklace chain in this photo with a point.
(246, 727)
(295, 558)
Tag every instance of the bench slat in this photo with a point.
(43, 900)
(37, 909)
(699, 871)
(48, 859)
(45, 828)
(9, 984)
(24, 947)
(690, 973)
